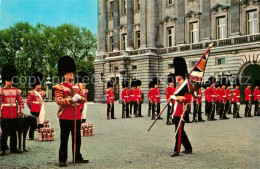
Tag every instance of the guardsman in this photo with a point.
(182, 99)
(229, 97)
(149, 96)
(35, 99)
(218, 88)
(170, 91)
(208, 102)
(125, 96)
(110, 100)
(222, 100)
(213, 98)
(248, 99)
(197, 103)
(133, 98)
(257, 98)
(139, 96)
(68, 96)
(156, 98)
(82, 78)
(236, 98)
(10, 97)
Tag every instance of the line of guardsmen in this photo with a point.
(218, 99)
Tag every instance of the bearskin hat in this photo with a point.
(82, 77)
(180, 67)
(134, 83)
(171, 78)
(66, 65)
(217, 84)
(110, 84)
(8, 73)
(206, 84)
(156, 81)
(257, 82)
(236, 82)
(125, 84)
(138, 83)
(151, 85)
(37, 78)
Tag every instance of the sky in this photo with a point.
(81, 13)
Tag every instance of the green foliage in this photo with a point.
(38, 48)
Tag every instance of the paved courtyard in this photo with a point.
(123, 143)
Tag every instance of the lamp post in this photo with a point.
(49, 91)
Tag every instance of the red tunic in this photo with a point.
(207, 95)
(156, 96)
(125, 96)
(199, 98)
(110, 96)
(179, 109)
(62, 97)
(236, 95)
(222, 96)
(256, 95)
(248, 95)
(149, 96)
(228, 94)
(34, 102)
(133, 97)
(217, 92)
(170, 91)
(213, 96)
(138, 93)
(9, 98)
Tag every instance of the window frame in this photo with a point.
(223, 27)
(124, 41)
(192, 32)
(111, 44)
(124, 7)
(255, 20)
(111, 9)
(172, 35)
(137, 5)
(137, 39)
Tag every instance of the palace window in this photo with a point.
(170, 66)
(252, 24)
(137, 5)
(138, 39)
(134, 67)
(170, 37)
(111, 44)
(221, 28)
(170, 2)
(221, 61)
(124, 42)
(111, 9)
(193, 63)
(194, 32)
(124, 7)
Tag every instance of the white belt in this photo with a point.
(199, 95)
(126, 96)
(249, 95)
(258, 95)
(238, 96)
(213, 95)
(157, 96)
(10, 105)
(139, 96)
(37, 102)
(132, 95)
(111, 97)
(224, 96)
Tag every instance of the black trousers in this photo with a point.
(197, 111)
(222, 112)
(33, 126)
(228, 107)
(235, 110)
(139, 109)
(248, 109)
(257, 113)
(125, 106)
(156, 109)
(217, 107)
(187, 113)
(133, 105)
(112, 110)
(206, 108)
(9, 128)
(67, 127)
(169, 113)
(150, 109)
(183, 139)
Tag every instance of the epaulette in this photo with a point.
(57, 87)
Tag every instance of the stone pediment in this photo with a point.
(246, 2)
(192, 12)
(169, 18)
(216, 7)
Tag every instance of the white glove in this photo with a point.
(171, 104)
(173, 97)
(76, 98)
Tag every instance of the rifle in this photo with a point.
(124, 111)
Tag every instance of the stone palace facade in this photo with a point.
(140, 38)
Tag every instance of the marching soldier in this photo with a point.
(208, 101)
(257, 98)
(213, 98)
(125, 99)
(197, 102)
(236, 98)
(110, 100)
(10, 97)
(218, 88)
(182, 99)
(170, 91)
(229, 97)
(82, 78)
(35, 99)
(222, 100)
(156, 98)
(69, 96)
(133, 98)
(248, 99)
(139, 98)
(149, 96)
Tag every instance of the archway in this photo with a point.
(249, 71)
